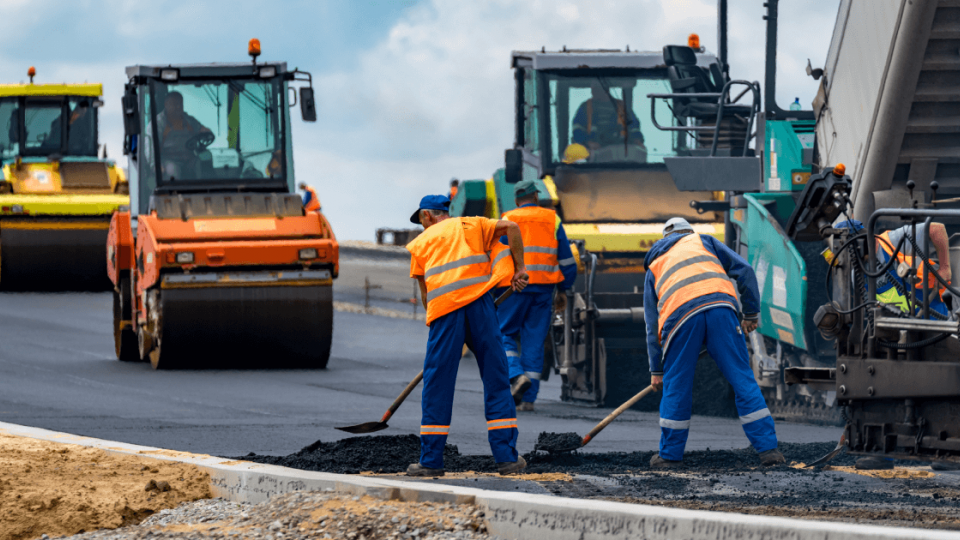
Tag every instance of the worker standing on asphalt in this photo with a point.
(311, 203)
(525, 318)
(457, 262)
(689, 302)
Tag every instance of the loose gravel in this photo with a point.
(307, 515)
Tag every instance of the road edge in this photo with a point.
(509, 515)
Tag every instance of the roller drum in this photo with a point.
(59, 258)
(250, 326)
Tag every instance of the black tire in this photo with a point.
(124, 338)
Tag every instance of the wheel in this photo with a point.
(124, 338)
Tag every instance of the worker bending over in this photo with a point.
(311, 203)
(525, 317)
(891, 288)
(689, 302)
(457, 262)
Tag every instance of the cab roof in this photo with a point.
(596, 59)
(64, 89)
(207, 70)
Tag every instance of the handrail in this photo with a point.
(722, 101)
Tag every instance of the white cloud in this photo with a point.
(434, 99)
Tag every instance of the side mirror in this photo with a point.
(513, 169)
(131, 111)
(308, 107)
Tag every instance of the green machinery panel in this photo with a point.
(471, 199)
(789, 153)
(781, 270)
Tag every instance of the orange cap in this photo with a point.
(31, 71)
(693, 41)
(253, 48)
(840, 169)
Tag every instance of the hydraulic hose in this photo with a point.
(915, 345)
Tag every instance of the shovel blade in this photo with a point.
(833, 453)
(369, 427)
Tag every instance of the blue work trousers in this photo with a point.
(476, 325)
(720, 331)
(524, 322)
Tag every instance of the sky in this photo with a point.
(410, 93)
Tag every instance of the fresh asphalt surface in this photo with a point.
(58, 371)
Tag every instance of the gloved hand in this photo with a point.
(560, 302)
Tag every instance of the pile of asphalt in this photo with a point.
(393, 453)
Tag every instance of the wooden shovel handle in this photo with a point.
(403, 395)
(612, 416)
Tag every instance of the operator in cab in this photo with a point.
(311, 203)
(604, 121)
(457, 261)
(525, 317)
(690, 303)
(79, 130)
(175, 128)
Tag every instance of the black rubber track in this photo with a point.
(248, 327)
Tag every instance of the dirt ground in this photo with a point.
(63, 489)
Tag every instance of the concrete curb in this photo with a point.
(510, 515)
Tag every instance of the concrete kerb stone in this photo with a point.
(509, 515)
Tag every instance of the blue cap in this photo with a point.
(431, 202)
(525, 189)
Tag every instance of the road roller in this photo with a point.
(57, 189)
(215, 262)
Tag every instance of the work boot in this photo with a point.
(657, 462)
(417, 469)
(519, 385)
(945, 466)
(512, 467)
(873, 463)
(525, 406)
(771, 457)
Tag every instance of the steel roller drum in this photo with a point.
(53, 256)
(247, 326)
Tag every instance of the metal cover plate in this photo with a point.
(715, 173)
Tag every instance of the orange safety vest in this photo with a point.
(538, 227)
(457, 267)
(314, 203)
(685, 272)
(889, 247)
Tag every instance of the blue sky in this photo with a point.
(410, 92)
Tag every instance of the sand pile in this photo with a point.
(60, 489)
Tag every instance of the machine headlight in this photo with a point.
(169, 74)
(268, 71)
(17, 209)
(308, 253)
(185, 257)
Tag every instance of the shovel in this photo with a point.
(833, 453)
(603, 423)
(373, 427)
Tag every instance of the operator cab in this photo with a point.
(206, 128)
(34, 126)
(586, 127)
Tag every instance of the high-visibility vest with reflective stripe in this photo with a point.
(889, 247)
(457, 270)
(314, 202)
(685, 272)
(538, 227)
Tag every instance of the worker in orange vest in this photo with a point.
(525, 318)
(311, 203)
(454, 186)
(457, 261)
(689, 302)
